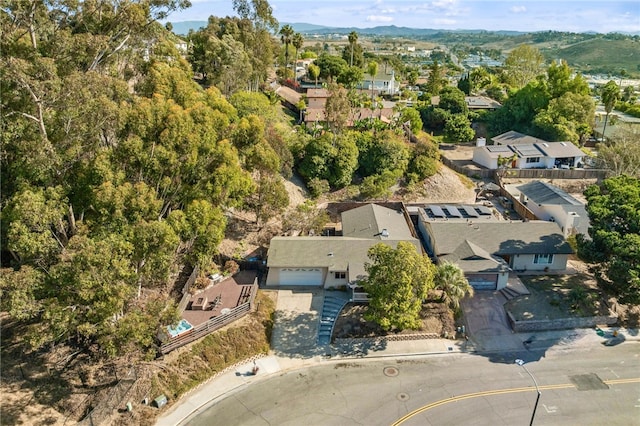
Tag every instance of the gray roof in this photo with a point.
(512, 138)
(499, 238)
(524, 150)
(472, 258)
(544, 193)
(361, 227)
(370, 220)
(560, 149)
(335, 253)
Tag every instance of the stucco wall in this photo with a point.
(525, 262)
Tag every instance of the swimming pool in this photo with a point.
(182, 327)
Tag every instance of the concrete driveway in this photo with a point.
(295, 331)
(487, 324)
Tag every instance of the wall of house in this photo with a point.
(481, 156)
(524, 262)
(331, 280)
(503, 277)
(521, 163)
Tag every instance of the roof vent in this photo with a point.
(546, 144)
(563, 143)
(330, 254)
(384, 233)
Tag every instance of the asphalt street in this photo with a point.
(586, 386)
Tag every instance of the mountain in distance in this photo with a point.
(183, 27)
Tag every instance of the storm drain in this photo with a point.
(390, 371)
(586, 382)
(402, 396)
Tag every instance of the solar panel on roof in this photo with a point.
(498, 148)
(470, 211)
(436, 211)
(527, 151)
(453, 211)
(483, 210)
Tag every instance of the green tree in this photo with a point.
(458, 129)
(372, 70)
(567, 118)
(353, 39)
(314, 72)
(330, 66)
(621, 154)
(398, 281)
(452, 284)
(523, 65)
(452, 99)
(337, 108)
(412, 116)
(298, 42)
(286, 37)
(614, 214)
(610, 95)
(435, 80)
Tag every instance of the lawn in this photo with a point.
(561, 296)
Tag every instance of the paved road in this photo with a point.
(593, 387)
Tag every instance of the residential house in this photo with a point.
(383, 83)
(335, 261)
(550, 203)
(486, 249)
(545, 155)
(515, 138)
(317, 100)
(474, 103)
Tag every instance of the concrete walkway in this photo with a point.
(294, 347)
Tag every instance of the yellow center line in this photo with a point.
(500, 392)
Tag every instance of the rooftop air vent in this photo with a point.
(384, 233)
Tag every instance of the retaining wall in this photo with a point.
(559, 324)
(389, 338)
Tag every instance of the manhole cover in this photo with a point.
(402, 396)
(390, 371)
(590, 381)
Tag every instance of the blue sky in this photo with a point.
(529, 15)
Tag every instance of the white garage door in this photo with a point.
(482, 283)
(301, 276)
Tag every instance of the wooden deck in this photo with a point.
(225, 295)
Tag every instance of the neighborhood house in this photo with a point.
(487, 249)
(335, 261)
(545, 155)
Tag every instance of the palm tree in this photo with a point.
(450, 280)
(353, 39)
(286, 33)
(298, 42)
(610, 95)
(372, 70)
(314, 72)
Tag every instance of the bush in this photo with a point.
(317, 187)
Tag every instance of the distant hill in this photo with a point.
(602, 55)
(183, 27)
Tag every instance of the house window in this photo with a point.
(533, 160)
(543, 259)
(340, 275)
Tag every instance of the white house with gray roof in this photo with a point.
(337, 260)
(486, 250)
(550, 203)
(545, 155)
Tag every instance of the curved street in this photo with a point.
(596, 386)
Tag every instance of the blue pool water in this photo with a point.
(182, 326)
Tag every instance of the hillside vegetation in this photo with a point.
(600, 55)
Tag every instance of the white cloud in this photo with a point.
(518, 9)
(379, 18)
(444, 21)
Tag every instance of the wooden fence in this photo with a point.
(210, 326)
(185, 290)
(467, 169)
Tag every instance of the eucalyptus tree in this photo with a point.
(610, 95)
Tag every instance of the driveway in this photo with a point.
(295, 331)
(487, 324)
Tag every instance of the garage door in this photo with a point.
(301, 276)
(483, 283)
